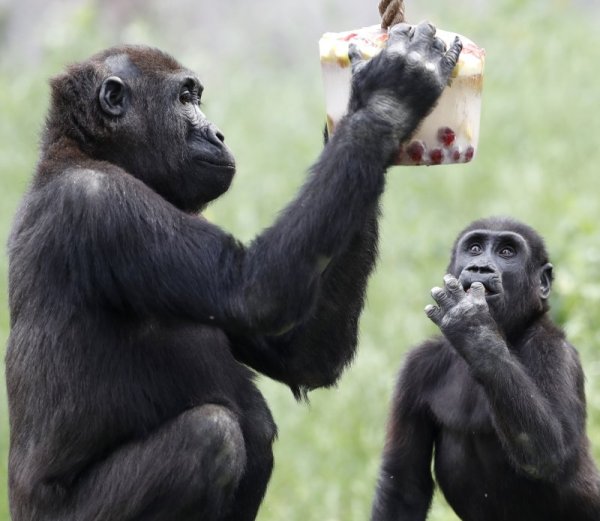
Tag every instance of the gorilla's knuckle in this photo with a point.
(397, 50)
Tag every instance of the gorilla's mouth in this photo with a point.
(489, 290)
(220, 165)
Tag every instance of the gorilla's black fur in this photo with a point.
(135, 323)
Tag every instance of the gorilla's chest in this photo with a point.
(458, 402)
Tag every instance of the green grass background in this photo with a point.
(538, 161)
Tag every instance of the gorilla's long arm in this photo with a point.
(405, 485)
(520, 401)
(314, 353)
(525, 406)
(151, 258)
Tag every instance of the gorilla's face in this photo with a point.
(516, 285)
(158, 132)
(208, 155)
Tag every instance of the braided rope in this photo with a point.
(392, 12)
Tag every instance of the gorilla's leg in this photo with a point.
(259, 431)
(188, 469)
(257, 473)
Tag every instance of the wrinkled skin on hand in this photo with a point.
(392, 12)
(464, 317)
(405, 80)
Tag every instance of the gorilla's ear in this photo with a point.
(113, 96)
(545, 281)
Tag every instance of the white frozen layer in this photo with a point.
(450, 133)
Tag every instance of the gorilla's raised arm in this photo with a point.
(150, 257)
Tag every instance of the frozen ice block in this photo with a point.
(450, 133)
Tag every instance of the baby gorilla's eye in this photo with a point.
(507, 251)
(475, 249)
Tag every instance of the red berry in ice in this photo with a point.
(415, 151)
(436, 156)
(456, 155)
(469, 153)
(446, 136)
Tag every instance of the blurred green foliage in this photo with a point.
(538, 158)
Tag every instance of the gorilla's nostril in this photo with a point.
(215, 136)
(480, 269)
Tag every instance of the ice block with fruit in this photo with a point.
(449, 134)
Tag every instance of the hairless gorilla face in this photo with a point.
(510, 260)
(143, 109)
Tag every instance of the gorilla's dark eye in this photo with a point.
(186, 96)
(189, 93)
(507, 251)
(475, 249)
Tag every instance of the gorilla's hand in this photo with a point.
(465, 320)
(403, 82)
(392, 12)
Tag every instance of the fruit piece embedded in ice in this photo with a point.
(446, 136)
(469, 153)
(349, 37)
(415, 151)
(436, 156)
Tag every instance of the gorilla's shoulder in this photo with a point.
(90, 182)
(99, 186)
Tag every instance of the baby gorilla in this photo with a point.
(500, 397)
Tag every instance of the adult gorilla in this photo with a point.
(132, 317)
(499, 399)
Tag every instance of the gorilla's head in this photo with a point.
(139, 109)
(509, 258)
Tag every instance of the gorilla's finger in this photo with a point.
(450, 59)
(442, 298)
(400, 32)
(424, 33)
(434, 313)
(454, 287)
(477, 291)
(356, 58)
(399, 38)
(439, 45)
